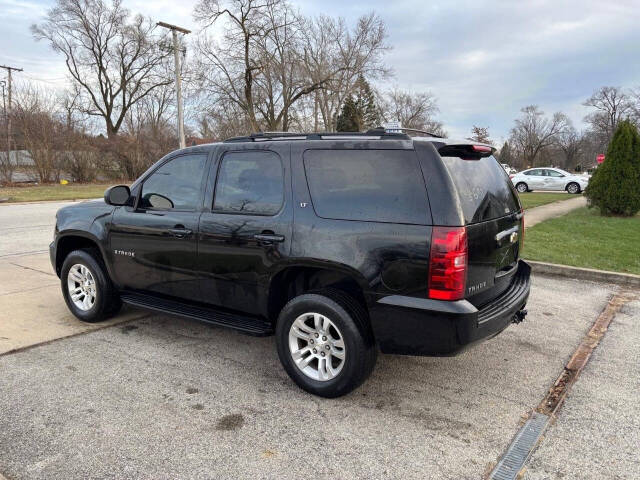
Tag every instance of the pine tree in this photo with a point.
(349, 118)
(505, 154)
(366, 103)
(360, 111)
(614, 187)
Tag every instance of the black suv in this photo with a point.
(339, 244)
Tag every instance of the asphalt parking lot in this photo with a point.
(150, 396)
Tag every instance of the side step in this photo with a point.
(251, 325)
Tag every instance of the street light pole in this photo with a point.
(176, 57)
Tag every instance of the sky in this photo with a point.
(483, 60)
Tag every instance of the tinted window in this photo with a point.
(370, 185)
(175, 185)
(250, 182)
(484, 188)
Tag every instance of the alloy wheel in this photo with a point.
(317, 346)
(82, 287)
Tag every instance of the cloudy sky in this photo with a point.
(483, 60)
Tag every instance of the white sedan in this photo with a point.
(549, 179)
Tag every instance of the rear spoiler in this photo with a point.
(466, 151)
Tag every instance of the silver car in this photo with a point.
(548, 178)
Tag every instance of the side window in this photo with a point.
(175, 185)
(250, 182)
(553, 173)
(537, 172)
(367, 185)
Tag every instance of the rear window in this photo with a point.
(484, 188)
(368, 185)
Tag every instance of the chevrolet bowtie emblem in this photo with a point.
(513, 238)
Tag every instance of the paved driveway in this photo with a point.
(160, 397)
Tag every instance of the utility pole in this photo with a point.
(176, 57)
(8, 111)
(3, 84)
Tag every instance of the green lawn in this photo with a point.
(583, 238)
(52, 192)
(535, 199)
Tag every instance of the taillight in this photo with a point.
(521, 231)
(511, 176)
(448, 263)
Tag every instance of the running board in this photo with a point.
(250, 325)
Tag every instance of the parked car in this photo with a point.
(339, 244)
(548, 178)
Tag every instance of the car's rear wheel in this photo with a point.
(325, 343)
(86, 287)
(573, 188)
(522, 187)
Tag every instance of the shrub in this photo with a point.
(614, 187)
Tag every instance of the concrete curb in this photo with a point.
(584, 273)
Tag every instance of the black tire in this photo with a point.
(352, 320)
(577, 188)
(522, 187)
(107, 301)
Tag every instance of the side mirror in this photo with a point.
(155, 200)
(117, 195)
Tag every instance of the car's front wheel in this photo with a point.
(325, 343)
(86, 287)
(522, 187)
(573, 188)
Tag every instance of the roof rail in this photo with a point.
(414, 130)
(265, 136)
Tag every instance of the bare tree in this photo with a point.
(229, 68)
(612, 105)
(114, 59)
(481, 135)
(270, 58)
(533, 132)
(412, 110)
(571, 143)
(40, 129)
(341, 56)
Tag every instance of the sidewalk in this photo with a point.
(551, 210)
(598, 430)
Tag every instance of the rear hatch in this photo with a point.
(493, 219)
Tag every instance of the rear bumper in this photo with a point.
(418, 326)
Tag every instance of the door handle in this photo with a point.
(269, 238)
(180, 232)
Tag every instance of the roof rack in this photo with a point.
(419, 131)
(372, 134)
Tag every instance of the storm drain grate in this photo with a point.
(520, 449)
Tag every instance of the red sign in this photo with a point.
(600, 158)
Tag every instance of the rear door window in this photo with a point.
(484, 188)
(250, 182)
(367, 185)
